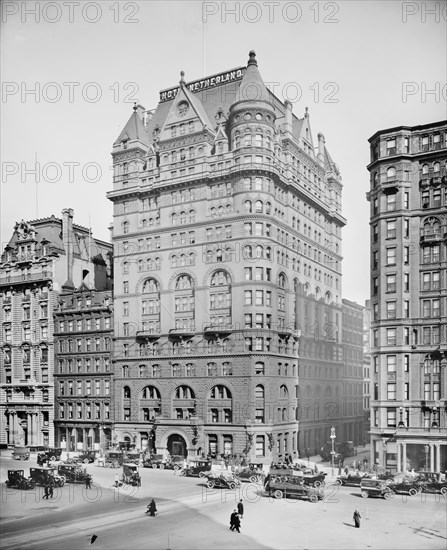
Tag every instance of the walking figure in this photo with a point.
(50, 489)
(234, 522)
(46, 492)
(240, 509)
(357, 517)
(152, 508)
(88, 481)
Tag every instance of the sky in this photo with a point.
(71, 72)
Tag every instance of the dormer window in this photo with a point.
(182, 108)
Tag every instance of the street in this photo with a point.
(192, 516)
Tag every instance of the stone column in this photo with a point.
(29, 428)
(438, 457)
(404, 457)
(399, 457)
(14, 428)
(432, 457)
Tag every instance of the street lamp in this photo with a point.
(333, 447)
(426, 449)
(401, 421)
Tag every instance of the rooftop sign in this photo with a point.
(205, 83)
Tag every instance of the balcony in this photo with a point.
(149, 334)
(408, 430)
(29, 277)
(182, 332)
(218, 329)
(287, 331)
(431, 236)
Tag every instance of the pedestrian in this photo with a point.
(357, 517)
(240, 509)
(152, 508)
(50, 489)
(233, 520)
(237, 523)
(346, 470)
(117, 480)
(46, 492)
(88, 481)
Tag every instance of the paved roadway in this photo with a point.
(192, 516)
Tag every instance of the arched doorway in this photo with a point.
(177, 445)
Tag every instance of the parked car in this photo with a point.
(47, 454)
(432, 486)
(132, 456)
(72, 473)
(17, 480)
(111, 459)
(42, 476)
(404, 486)
(222, 481)
(87, 457)
(252, 473)
(131, 475)
(196, 468)
(291, 486)
(314, 479)
(20, 453)
(154, 461)
(375, 488)
(352, 480)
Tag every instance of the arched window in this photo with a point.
(328, 297)
(247, 207)
(281, 280)
(259, 392)
(436, 167)
(126, 392)
(192, 216)
(184, 282)
(283, 392)
(150, 392)
(125, 227)
(184, 392)
(150, 285)
(259, 207)
(125, 371)
(247, 138)
(220, 392)
(391, 172)
(425, 168)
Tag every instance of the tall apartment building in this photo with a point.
(408, 199)
(366, 371)
(43, 258)
(83, 333)
(352, 339)
(225, 217)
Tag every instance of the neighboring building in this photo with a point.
(408, 199)
(366, 371)
(42, 258)
(352, 411)
(225, 219)
(83, 331)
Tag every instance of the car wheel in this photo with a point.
(388, 482)
(253, 479)
(64, 479)
(182, 473)
(86, 460)
(201, 474)
(210, 484)
(232, 485)
(412, 492)
(364, 494)
(153, 466)
(313, 498)
(338, 482)
(444, 491)
(388, 495)
(317, 483)
(176, 468)
(31, 484)
(116, 464)
(162, 466)
(53, 458)
(278, 494)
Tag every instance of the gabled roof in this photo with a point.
(196, 110)
(221, 134)
(134, 130)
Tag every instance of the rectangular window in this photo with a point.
(248, 297)
(259, 298)
(391, 229)
(391, 310)
(391, 283)
(406, 200)
(391, 203)
(406, 363)
(406, 255)
(391, 256)
(391, 418)
(406, 309)
(406, 282)
(391, 361)
(391, 392)
(391, 336)
(406, 228)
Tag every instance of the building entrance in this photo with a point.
(177, 445)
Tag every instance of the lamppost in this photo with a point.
(333, 447)
(426, 449)
(401, 421)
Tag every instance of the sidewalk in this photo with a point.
(361, 453)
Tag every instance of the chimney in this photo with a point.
(68, 240)
(147, 116)
(288, 117)
(140, 111)
(321, 142)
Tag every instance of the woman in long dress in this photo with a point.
(357, 517)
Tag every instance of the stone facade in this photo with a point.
(408, 199)
(225, 216)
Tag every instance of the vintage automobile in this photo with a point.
(222, 481)
(314, 479)
(111, 459)
(252, 473)
(132, 456)
(87, 457)
(17, 480)
(404, 486)
(47, 454)
(291, 486)
(376, 488)
(351, 480)
(131, 475)
(42, 476)
(196, 468)
(431, 484)
(20, 453)
(72, 473)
